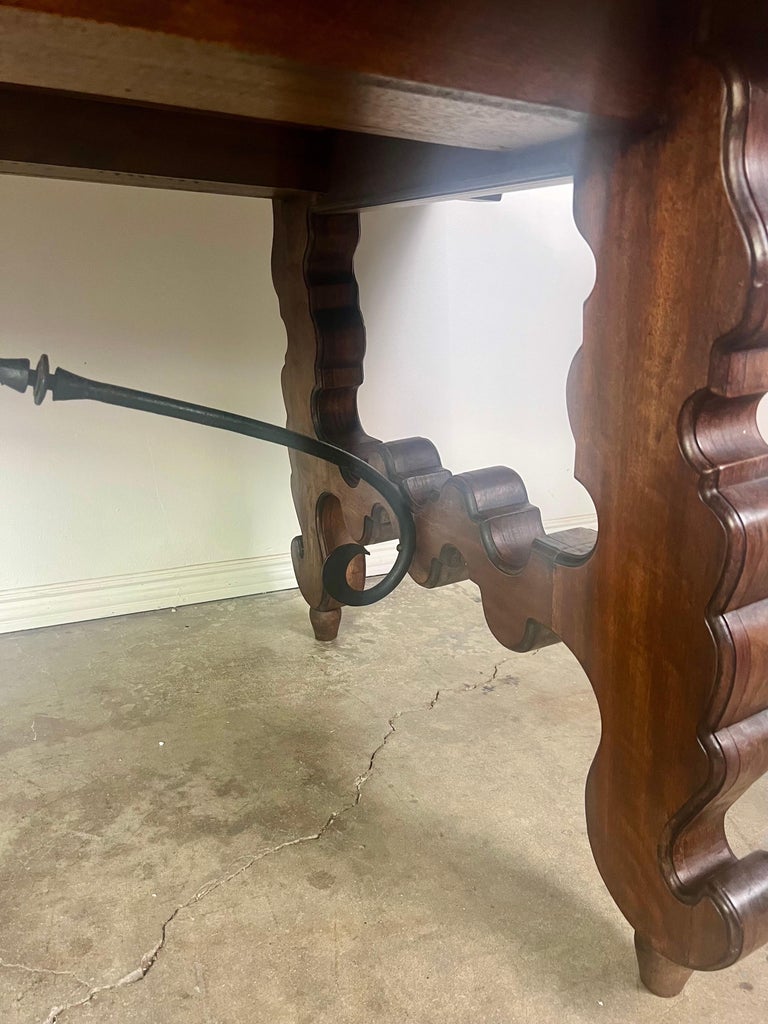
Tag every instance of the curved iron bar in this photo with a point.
(66, 386)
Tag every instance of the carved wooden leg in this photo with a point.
(668, 613)
(663, 404)
(313, 276)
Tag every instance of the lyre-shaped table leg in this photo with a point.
(314, 279)
(671, 617)
(668, 613)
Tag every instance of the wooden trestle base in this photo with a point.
(667, 608)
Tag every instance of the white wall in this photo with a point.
(473, 314)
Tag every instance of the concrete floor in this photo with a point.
(208, 818)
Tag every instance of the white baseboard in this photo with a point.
(57, 603)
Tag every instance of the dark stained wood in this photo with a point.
(61, 135)
(598, 56)
(368, 170)
(676, 749)
(737, 28)
(72, 55)
(65, 136)
(669, 616)
(658, 974)
(668, 612)
(316, 288)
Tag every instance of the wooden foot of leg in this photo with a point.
(659, 975)
(325, 624)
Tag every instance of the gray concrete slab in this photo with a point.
(208, 817)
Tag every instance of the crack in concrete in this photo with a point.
(7, 965)
(469, 687)
(483, 682)
(361, 780)
(149, 958)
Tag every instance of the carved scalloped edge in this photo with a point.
(484, 539)
(495, 501)
(335, 508)
(480, 525)
(313, 273)
(496, 507)
(720, 439)
(334, 302)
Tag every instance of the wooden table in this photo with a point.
(660, 111)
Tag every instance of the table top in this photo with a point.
(358, 102)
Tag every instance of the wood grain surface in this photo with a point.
(597, 57)
(668, 611)
(68, 135)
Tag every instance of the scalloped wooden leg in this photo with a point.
(315, 284)
(670, 615)
(659, 975)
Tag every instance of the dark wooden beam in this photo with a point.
(368, 170)
(59, 135)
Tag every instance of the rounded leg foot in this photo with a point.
(325, 624)
(659, 975)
